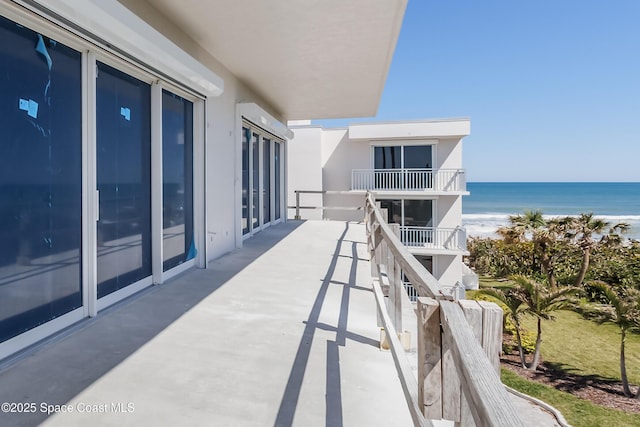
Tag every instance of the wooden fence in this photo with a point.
(458, 341)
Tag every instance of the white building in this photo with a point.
(414, 170)
(141, 138)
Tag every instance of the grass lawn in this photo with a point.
(579, 347)
(583, 347)
(577, 412)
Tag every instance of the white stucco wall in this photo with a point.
(448, 269)
(340, 155)
(223, 167)
(305, 170)
(449, 154)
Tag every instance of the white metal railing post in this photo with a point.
(408, 179)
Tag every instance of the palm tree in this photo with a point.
(545, 235)
(522, 225)
(541, 302)
(623, 310)
(515, 306)
(582, 229)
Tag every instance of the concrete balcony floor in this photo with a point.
(282, 332)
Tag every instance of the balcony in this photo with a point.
(436, 180)
(287, 324)
(441, 239)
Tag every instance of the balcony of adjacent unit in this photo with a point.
(434, 181)
(419, 229)
(434, 240)
(408, 168)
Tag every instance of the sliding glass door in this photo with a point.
(262, 179)
(178, 244)
(40, 179)
(123, 151)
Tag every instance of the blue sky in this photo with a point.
(552, 87)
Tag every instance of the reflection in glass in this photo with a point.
(40, 179)
(256, 180)
(387, 157)
(266, 180)
(124, 179)
(394, 210)
(417, 157)
(276, 170)
(418, 213)
(246, 136)
(177, 180)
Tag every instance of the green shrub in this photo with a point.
(528, 338)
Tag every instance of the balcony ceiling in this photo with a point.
(310, 59)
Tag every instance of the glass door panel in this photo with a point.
(418, 213)
(417, 157)
(177, 180)
(266, 180)
(246, 136)
(123, 151)
(40, 179)
(277, 171)
(387, 157)
(255, 190)
(394, 210)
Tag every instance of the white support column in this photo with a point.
(200, 226)
(284, 180)
(90, 199)
(156, 183)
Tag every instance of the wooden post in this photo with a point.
(429, 358)
(451, 390)
(473, 313)
(492, 332)
(397, 288)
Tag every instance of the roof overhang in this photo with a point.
(445, 128)
(110, 22)
(312, 59)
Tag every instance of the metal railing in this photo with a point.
(408, 179)
(458, 341)
(434, 237)
(298, 206)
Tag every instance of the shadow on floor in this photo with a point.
(333, 396)
(62, 366)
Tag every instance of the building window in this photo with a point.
(123, 130)
(40, 179)
(409, 213)
(402, 157)
(177, 180)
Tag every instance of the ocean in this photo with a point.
(490, 203)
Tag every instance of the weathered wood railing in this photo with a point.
(458, 342)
